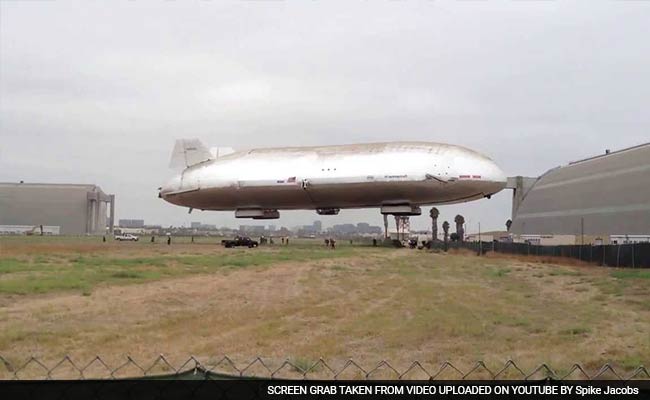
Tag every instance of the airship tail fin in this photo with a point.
(188, 152)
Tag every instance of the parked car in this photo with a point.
(126, 236)
(239, 241)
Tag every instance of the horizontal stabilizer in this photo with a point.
(188, 152)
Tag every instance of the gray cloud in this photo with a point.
(97, 92)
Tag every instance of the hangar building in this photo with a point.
(602, 196)
(66, 209)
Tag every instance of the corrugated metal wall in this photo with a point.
(608, 195)
(56, 205)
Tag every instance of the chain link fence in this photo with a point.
(630, 255)
(226, 368)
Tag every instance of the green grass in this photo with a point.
(631, 274)
(358, 302)
(498, 272)
(70, 271)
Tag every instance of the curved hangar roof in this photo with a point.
(610, 193)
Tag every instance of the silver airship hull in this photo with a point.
(336, 177)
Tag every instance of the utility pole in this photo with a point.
(480, 240)
(385, 226)
(582, 236)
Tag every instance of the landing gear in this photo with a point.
(257, 213)
(400, 209)
(401, 212)
(403, 225)
(328, 211)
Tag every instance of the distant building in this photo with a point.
(344, 229)
(627, 239)
(69, 209)
(499, 236)
(310, 230)
(545, 240)
(131, 223)
(361, 229)
(367, 229)
(202, 226)
(318, 226)
(252, 230)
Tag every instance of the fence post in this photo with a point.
(580, 252)
(618, 253)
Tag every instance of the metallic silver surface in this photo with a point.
(345, 176)
(603, 195)
(75, 209)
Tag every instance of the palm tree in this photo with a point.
(434, 213)
(460, 220)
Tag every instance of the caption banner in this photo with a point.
(505, 388)
(196, 388)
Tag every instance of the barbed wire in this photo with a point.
(225, 368)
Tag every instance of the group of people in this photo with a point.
(331, 242)
(269, 240)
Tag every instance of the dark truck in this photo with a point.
(239, 241)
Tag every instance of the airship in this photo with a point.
(396, 177)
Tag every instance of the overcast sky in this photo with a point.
(97, 92)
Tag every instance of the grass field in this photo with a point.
(81, 297)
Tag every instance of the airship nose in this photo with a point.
(495, 177)
(496, 174)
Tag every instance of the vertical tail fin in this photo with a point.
(188, 152)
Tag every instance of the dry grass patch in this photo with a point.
(307, 302)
